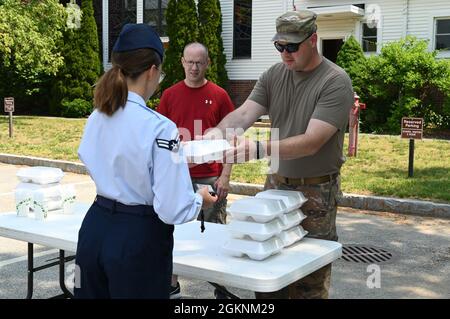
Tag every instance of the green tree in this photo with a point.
(81, 66)
(222, 75)
(29, 55)
(182, 28)
(351, 58)
(406, 80)
(209, 23)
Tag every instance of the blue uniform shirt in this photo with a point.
(129, 157)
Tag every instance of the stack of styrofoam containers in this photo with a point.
(263, 225)
(40, 191)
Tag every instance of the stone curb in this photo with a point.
(66, 166)
(374, 203)
(396, 205)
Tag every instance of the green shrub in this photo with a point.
(209, 22)
(222, 75)
(405, 80)
(153, 102)
(75, 108)
(351, 58)
(82, 66)
(182, 28)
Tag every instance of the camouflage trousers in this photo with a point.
(216, 214)
(320, 210)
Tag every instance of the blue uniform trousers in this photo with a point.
(123, 252)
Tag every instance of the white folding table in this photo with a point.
(196, 255)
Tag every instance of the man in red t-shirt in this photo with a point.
(195, 105)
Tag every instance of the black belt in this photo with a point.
(306, 180)
(115, 206)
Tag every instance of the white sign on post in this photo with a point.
(9, 104)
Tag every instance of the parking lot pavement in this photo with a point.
(419, 267)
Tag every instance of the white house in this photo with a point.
(248, 26)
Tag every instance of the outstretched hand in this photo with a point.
(243, 150)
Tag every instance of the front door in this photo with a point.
(331, 47)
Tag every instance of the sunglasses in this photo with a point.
(290, 47)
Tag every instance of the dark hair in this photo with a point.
(111, 90)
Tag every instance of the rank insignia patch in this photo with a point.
(171, 145)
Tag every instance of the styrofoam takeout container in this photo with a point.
(257, 250)
(202, 151)
(50, 191)
(291, 219)
(40, 175)
(292, 199)
(256, 231)
(292, 235)
(260, 210)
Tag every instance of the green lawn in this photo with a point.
(381, 167)
(48, 137)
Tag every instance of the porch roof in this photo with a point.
(337, 12)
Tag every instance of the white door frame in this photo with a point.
(331, 36)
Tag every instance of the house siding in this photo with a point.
(422, 15)
(264, 13)
(392, 27)
(399, 17)
(392, 21)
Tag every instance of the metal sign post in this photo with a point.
(9, 108)
(412, 128)
(411, 158)
(353, 125)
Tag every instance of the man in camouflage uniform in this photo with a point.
(308, 99)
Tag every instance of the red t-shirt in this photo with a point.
(206, 105)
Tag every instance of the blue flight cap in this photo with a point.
(138, 36)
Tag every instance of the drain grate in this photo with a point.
(365, 254)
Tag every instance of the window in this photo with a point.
(242, 29)
(442, 34)
(121, 12)
(130, 5)
(154, 15)
(369, 38)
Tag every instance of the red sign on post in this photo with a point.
(412, 128)
(9, 104)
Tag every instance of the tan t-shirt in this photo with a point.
(293, 98)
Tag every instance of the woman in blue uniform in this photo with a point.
(126, 240)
